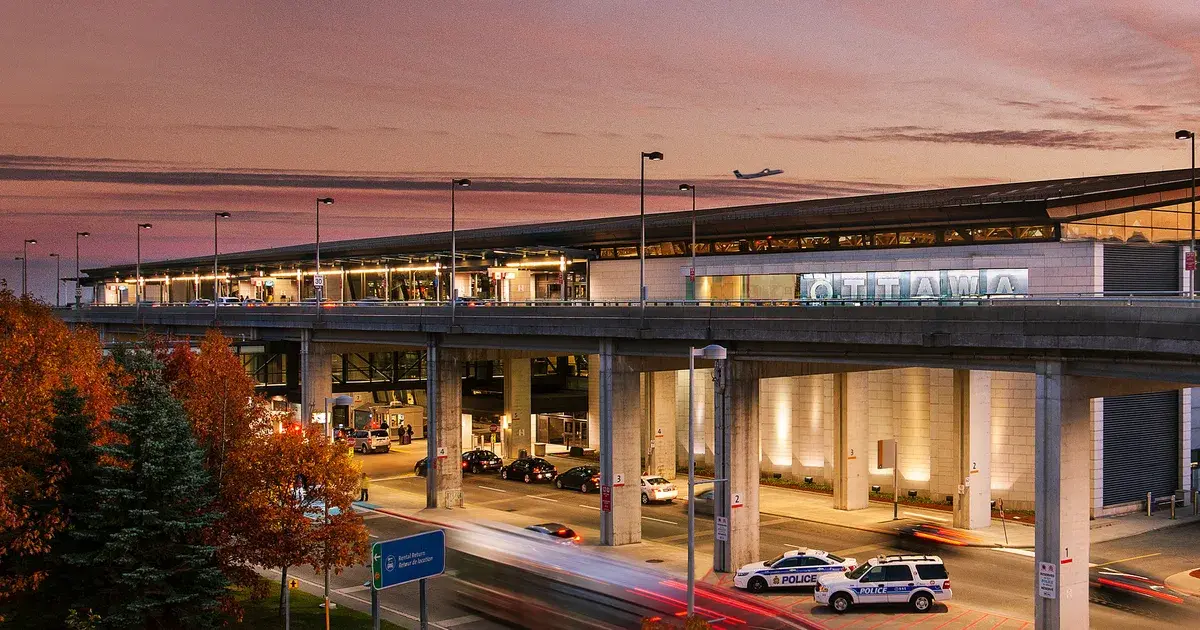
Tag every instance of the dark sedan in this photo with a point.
(557, 531)
(479, 460)
(529, 470)
(582, 478)
(476, 461)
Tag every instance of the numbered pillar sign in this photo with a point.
(441, 452)
(618, 480)
(736, 500)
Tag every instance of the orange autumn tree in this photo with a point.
(40, 357)
(255, 468)
(297, 473)
(227, 419)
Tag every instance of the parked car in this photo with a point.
(582, 478)
(529, 470)
(479, 460)
(795, 567)
(369, 300)
(372, 441)
(559, 532)
(200, 302)
(918, 580)
(229, 300)
(655, 488)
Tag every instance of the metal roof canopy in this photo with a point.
(1011, 202)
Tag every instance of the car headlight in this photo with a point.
(743, 573)
(821, 587)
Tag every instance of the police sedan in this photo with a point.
(799, 567)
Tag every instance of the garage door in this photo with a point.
(1141, 446)
(1141, 268)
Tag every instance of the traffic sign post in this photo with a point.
(605, 498)
(403, 560)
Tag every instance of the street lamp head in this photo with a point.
(712, 352)
(461, 182)
(145, 226)
(325, 200)
(83, 234)
(343, 401)
(1184, 134)
(652, 155)
(686, 187)
(223, 215)
(31, 241)
(54, 255)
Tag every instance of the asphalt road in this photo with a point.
(984, 580)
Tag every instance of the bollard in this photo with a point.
(1195, 507)
(1149, 504)
(1172, 506)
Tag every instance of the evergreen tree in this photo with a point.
(152, 513)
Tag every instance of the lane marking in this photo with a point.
(926, 516)
(372, 536)
(1149, 555)
(460, 621)
(1017, 552)
(394, 477)
(541, 498)
(659, 520)
(590, 507)
(491, 488)
(352, 589)
(777, 521)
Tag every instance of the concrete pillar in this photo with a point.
(517, 432)
(316, 376)
(443, 483)
(973, 421)
(736, 451)
(661, 397)
(1185, 444)
(1062, 453)
(593, 401)
(620, 440)
(850, 470)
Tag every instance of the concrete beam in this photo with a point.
(443, 481)
(851, 481)
(620, 433)
(1062, 456)
(736, 451)
(973, 422)
(517, 435)
(316, 377)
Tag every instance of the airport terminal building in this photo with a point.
(1118, 235)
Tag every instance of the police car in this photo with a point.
(915, 580)
(800, 567)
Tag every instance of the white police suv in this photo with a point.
(800, 567)
(916, 580)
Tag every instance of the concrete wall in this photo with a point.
(1012, 439)
(1064, 267)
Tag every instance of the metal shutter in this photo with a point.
(1141, 446)
(1141, 268)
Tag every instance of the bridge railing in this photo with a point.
(1137, 298)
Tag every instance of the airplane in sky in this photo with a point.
(763, 173)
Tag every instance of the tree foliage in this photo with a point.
(41, 357)
(147, 528)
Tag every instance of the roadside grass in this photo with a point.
(262, 613)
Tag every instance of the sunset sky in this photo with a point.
(117, 113)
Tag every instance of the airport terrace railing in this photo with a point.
(1179, 299)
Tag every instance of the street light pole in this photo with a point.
(318, 280)
(1184, 134)
(454, 183)
(692, 274)
(712, 352)
(651, 155)
(137, 280)
(57, 279)
(216, 253)
(78, 289)
(338, 400)
(25, 265)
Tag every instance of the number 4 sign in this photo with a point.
(441, 452)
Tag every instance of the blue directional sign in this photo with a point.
(403, 560)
